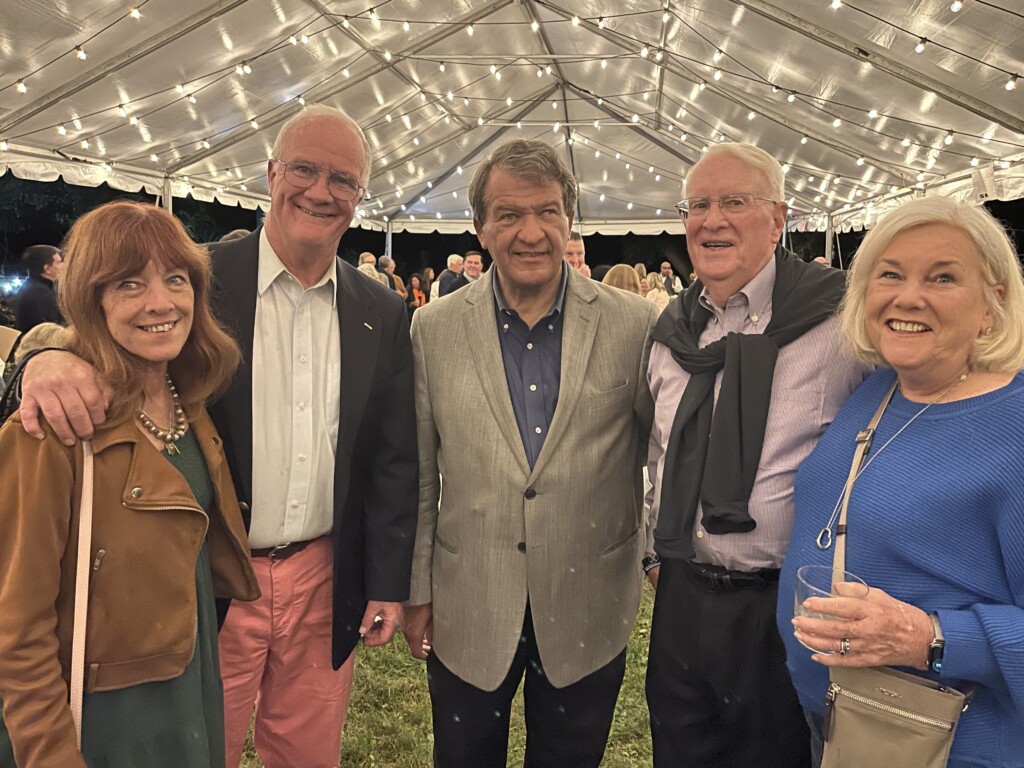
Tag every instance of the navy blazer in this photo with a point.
(376, 470)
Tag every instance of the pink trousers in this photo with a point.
(275, 654)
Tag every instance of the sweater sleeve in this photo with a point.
(984, 641)
(37, 478)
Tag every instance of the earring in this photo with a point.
(988, 331)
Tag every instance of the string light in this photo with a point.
(405, 26)
(1010, 84)
(535, 26)
(373, 15)
(191, 98)
(702, 85)
(949, 138)
(836, 123)
(837, 4)
(346, 73)
(717, 57)
(905, 142)
(255, 125)
(80, 53)
(470, 30)
(22, 88)
(921, 43)
(718, 74)
(600, 23)
(873, 114)
(3, 146)
(293, 40)
(785, 167)
(860, 161)
(84, 144)
(305, 39)
(121, 110)
(791, 97)
(62, 129)
(575, 21)
(751, 115)
(345, 22)
(134, 13)
(441, 66)
(956, 6)
(604, 63)
(154, 158)
(665, 17)
(803, 139)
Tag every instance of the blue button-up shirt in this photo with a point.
(533, 365)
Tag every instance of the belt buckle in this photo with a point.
(274, 550)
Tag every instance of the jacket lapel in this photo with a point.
(360, 333)
(235, 268)
(579, 327)
(482, 337)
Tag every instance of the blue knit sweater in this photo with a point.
(936, 520)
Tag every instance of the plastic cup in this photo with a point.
(820, 581)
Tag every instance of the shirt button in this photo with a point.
(537, 430)
(136, 492)
(530, 345)
(753, 318)
(521, 546)
(302, 406)
(530, 494)
(302, 457)
(302, 311)
(551, 327)
(505, 326)
(295, 504)
(533, 387)
(700, 533)
(302, 358)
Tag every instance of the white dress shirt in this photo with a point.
(296, 402)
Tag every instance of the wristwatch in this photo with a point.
(938, 645)
(650, 562)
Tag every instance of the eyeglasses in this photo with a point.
(731, 205)
(342, 187)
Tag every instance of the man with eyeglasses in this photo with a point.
(319, 429)
(747, 370)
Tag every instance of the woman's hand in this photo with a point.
(877, 630)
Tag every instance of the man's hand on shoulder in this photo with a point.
(419, 629)
(67, 391)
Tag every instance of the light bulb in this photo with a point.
(80, 53)
(955, 6)
(919, 48)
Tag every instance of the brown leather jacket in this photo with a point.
(147, 532)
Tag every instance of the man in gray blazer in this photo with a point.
(533, 564)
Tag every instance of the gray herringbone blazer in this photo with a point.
(583, 530)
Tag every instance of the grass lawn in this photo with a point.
(389, 716)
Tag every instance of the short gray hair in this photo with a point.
(530, 159)
(384, 262)
(315, 111)
(756, 158)
(1000, 351)
(454, 258)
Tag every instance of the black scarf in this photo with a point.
(714, 452)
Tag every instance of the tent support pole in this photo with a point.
(829, 235)
(166, 198)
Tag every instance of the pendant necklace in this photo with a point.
(169, 437)
(824, 539)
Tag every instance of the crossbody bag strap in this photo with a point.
(863, 446)
(82, 590)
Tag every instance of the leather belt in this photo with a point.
(282, 551)
(722, 579)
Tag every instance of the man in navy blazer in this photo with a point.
(319, 430)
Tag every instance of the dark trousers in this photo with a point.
(717, 685)
(565, 727)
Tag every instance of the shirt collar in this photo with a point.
(271, 268)
(757, 293)
(556, 307)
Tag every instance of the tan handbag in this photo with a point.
(877, 717)
(81, 591)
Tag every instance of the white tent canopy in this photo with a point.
(866, 101)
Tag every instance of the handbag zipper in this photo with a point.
(834, 690)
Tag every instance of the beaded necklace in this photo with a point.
(169, 437)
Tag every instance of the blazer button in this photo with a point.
(530, 493)
(243, 506)
(521, 546)
(136, 492)
(216, 441)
